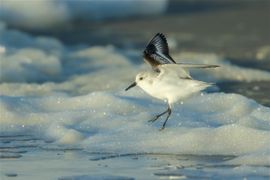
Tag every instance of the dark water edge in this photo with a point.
(259, 91)
(38, 158)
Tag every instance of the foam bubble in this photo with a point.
(209, 124)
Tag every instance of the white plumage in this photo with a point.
(167, 80)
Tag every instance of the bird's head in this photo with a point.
(139, 80)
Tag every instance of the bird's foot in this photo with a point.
(157, 117)
(154, 119)
(162, 128)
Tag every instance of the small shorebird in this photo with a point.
(168, 80)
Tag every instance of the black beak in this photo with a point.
(131, 86)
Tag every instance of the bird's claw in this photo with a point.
(154, 119)
(162, 128)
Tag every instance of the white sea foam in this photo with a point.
(212, 124)
(34, 60)
(75, 97)
(41, 14)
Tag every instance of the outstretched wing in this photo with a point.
(175, 69)
(182, 70)
(157, 51)
(187, 65)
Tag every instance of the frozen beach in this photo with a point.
(64, 113)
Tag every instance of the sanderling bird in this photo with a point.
(168, 80)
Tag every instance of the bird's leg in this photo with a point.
(158, 116)
(169, 114)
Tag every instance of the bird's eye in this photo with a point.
(141, 78)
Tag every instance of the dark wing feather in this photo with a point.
(157, 51)
(160, 42)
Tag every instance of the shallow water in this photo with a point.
(255, 90)
(37, 160)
